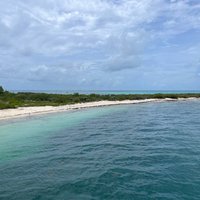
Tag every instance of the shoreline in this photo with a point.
(21, 112)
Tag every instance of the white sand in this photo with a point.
(30, 111)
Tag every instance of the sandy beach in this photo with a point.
(31, 111)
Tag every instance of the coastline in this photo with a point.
(21, 112)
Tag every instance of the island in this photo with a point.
(21, 104)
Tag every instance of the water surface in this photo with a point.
(144, 151)
(111, 91)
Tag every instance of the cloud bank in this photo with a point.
(99, 44)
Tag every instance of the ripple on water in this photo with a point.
(146, 151)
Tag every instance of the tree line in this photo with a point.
(14, 100)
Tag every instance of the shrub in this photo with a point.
(1, 90)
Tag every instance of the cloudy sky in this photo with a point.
(100, 44)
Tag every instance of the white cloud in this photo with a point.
(103, 35)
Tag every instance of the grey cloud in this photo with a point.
(76, 38)
(121, 63)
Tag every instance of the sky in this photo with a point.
(100, 44)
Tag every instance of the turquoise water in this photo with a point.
(144, 151)
(111, 91)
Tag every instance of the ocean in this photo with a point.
(109, 91)
(144, 151)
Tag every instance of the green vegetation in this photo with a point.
(14, 100)
(1, 90)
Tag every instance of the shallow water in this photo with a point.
(144, 151)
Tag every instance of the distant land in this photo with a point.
(59, 91)
(27, 99)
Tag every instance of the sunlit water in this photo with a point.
(144, 151)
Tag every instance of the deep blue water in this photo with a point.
(144, 151)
